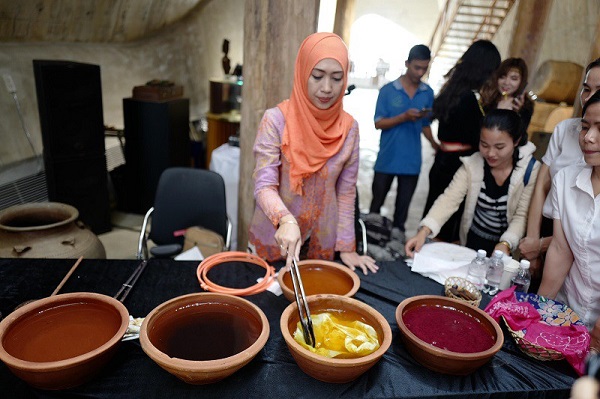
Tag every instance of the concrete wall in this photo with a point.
(569, 34)
(187, 52)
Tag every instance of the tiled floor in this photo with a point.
(121, 242)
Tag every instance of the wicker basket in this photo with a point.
(535, 351)
(461, 284)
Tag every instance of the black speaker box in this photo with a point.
(69, 98)
(156, 137)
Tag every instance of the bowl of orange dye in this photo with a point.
(64, 340)
(320, 277)
(333, 369)
(448, 335)
(203, 338)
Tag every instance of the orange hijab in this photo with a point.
(311, 135)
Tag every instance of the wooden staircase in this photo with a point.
(461, 23)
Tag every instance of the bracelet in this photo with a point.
(540, 248)
(507, 245)
(288, 221)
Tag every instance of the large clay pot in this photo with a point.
(46, 230)
(557, 81)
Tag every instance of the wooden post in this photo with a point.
(594, 53)
(344, 17)
(273, 31)
(528, 36)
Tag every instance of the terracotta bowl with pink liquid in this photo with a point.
(447, 335)
(64, 340)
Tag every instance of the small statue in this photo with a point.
(225, 61)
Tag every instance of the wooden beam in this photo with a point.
(528, 35)
(273, 31)
(594, 53)
(345, 12)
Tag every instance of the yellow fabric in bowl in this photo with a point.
(339, 338)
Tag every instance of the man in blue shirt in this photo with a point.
(402, 113)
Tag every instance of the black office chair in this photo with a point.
(185, 197)
(360, 230)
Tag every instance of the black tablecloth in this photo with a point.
(273, 373)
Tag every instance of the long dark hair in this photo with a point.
(506, 120)
(470, 72)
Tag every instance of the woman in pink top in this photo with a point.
(306, 153)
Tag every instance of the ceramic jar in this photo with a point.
(46, 230)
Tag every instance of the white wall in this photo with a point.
(188, 53)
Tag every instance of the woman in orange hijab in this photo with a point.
(306, 153)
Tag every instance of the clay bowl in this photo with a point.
(447, 361)
(202, 338)
(320, 277)
(330, 369)
(62, 341)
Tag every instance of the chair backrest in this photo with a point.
(188, 197)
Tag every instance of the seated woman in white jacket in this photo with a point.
(496, 184)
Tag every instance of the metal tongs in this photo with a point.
(303, 310)
(128, 285)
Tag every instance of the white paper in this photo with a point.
(274, 287)
(193, 253)
(440, 260)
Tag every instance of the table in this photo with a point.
(220, 128)
(273, 373)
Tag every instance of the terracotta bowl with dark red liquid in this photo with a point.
(64, 340)
(447, 335)
(320, 277)
(202, 338)
(331, 369)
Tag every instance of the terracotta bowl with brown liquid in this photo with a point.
(448, 335)
(64, 340)
(320, 277)
(331, 369)
(204, 337)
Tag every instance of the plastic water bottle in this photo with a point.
(478, 270)
(522, 280)
(494, 273)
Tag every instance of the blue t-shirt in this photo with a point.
(400, 146)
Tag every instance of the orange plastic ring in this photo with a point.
(233, 256)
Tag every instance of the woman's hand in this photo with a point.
(416, 243)
(502, 247)
(595, 336)
(289, 238)
(354, 260)
(530, 247)
(512, 103)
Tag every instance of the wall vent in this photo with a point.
(27, 189)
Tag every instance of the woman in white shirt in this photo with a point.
(563, 150)
(572, 268)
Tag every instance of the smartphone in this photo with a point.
(425, 111)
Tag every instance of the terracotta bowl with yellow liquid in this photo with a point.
(332, 369)
(64, 340)
(320, 277)
(204, 337)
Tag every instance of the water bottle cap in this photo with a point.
(481, 253)
(525, 264)
(498, 253)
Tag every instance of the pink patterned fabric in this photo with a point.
(572, 341)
